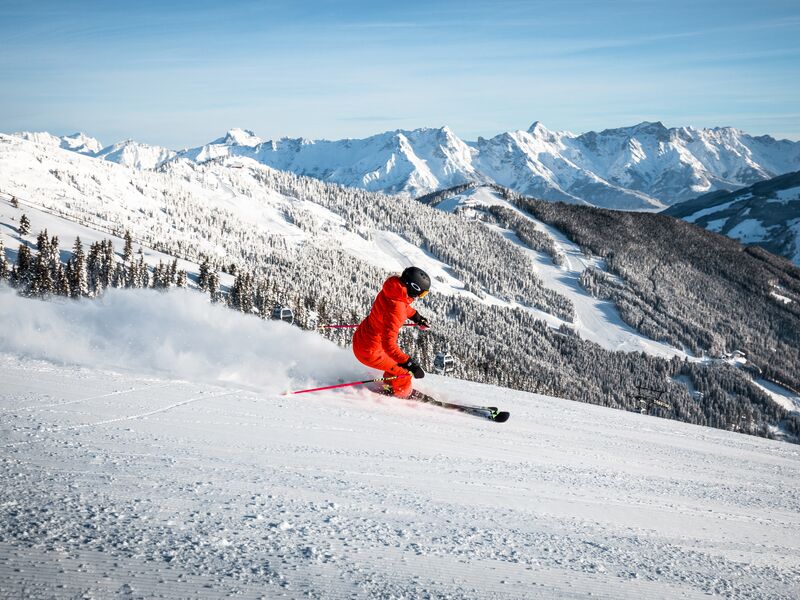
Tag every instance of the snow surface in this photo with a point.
(709, 211)
(135, 464)
(788, 195)
(717, 224)
(780, 395)
(780, 297)
(749, 231)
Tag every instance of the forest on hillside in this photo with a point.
(678, 283)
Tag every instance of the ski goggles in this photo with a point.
(420, 292)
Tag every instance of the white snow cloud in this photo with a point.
(179, 334)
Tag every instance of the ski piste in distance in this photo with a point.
(487, 412)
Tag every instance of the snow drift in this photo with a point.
(179, 334)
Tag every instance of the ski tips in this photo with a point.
(501, 417)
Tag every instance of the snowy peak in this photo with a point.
(77, 142)
(646, 166)
(535, 127)
(82, 143)
(239, 137)
(135, 155)
(645, 128)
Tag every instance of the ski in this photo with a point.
(487, 412)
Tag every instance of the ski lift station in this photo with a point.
(283, 313)
(443, 363)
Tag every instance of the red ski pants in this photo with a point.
(401, 387)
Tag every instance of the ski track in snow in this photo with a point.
(147, 487)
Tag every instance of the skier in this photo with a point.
(375, 340)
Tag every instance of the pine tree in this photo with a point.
(3, 261)
(93, 269)
(108, 263)
(42, 271)
(132, 274)
(161, 276)
(181, 279)
(127, 253)
(24, 225)
(213, 286)
(205, 270)
(21, 273)
(247, 294)
(128, 269)
(236, 294)
(61, 282)
(54, 260)
(41, 281)
(155, 281)
(43, 244)
(78, 280)
(173, 272)
(142, 274)
(120, 277)
(262, 298)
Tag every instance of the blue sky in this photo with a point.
(182, 73)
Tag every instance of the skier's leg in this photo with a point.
(401, 387)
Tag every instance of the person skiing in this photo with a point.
(375, 340)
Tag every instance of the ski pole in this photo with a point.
(341, 385)
(348, 326)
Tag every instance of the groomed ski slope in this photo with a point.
(147, 452)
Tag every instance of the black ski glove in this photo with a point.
(421, 321)
(413, 368)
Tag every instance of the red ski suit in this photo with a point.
(375, 340)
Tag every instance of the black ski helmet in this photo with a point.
(416, 281)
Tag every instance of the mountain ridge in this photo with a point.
(646, 166)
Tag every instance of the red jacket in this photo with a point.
(377, 334)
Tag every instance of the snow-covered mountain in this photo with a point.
(128, 152)
(765, 214)
(135, 155)
(643, 167)
(77, 142)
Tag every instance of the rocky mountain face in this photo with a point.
(644, 167)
